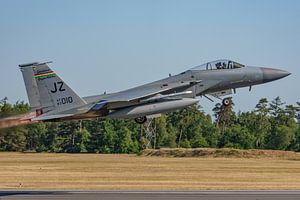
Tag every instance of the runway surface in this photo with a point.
(151, 195)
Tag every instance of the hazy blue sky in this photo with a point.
(112, 45)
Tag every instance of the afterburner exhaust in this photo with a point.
(17, 120)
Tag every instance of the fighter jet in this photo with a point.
(52, 100)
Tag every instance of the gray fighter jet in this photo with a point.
(51, 99)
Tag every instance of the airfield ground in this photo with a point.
(127, 172)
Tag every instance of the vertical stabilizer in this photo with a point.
(31, 86)
(46, 90)
(55, 94)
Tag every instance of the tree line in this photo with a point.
(270, 125)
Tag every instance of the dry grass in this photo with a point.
(96, 171)
(222, 153)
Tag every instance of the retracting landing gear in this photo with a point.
(226, 102)
(140, 120)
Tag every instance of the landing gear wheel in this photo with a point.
(226, 102)
(140, 120)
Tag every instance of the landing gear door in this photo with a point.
(221, 93)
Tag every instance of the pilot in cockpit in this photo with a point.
(224, 65)
(219, 65)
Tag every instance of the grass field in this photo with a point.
(96, 171)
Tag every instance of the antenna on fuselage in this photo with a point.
(250, 88)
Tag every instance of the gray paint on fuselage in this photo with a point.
(222, 78)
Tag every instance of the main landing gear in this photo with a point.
(140, 120)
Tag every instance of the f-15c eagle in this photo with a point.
(51, 99)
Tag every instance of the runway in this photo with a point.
(151, 195)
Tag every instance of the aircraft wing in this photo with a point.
(153, 92)
(147, 91)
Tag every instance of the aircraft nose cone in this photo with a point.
(270, 74)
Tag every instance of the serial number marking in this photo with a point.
(64, 100)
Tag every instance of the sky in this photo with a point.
(110, 45)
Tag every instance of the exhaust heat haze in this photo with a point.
(17, 120)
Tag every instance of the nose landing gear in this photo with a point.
(226, 102)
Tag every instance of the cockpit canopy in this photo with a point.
(219, 64)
